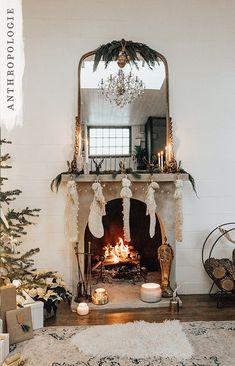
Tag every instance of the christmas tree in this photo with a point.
(46, 286)
(13, 264)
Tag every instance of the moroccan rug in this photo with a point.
(213, 344)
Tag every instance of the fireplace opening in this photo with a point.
(114, 251)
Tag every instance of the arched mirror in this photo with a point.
(123, 107)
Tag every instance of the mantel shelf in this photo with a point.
(162, 177)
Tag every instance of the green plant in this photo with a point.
(139, 152)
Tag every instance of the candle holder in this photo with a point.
(82, 308)
(100, 297)
(174, 305)
(150, 292)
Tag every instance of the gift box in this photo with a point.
(4, 346)
(7, 302)
(37, 313)
(19, 324)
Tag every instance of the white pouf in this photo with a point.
(150, 292)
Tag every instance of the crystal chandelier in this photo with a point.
(121, 89)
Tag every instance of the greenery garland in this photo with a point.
(133, 50)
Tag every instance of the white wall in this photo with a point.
(197, 38)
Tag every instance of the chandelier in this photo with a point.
(121, 89)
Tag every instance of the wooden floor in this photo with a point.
(195, 308)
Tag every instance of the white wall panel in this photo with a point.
(197, 38)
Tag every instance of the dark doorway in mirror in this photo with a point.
(155, 135)
(113, 249)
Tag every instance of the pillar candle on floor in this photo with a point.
(83, 309)
(150, 292)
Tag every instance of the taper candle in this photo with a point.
(158, 160)
(161, 160)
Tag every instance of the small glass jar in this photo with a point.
(83, 308)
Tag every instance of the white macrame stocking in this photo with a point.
(126, 194)
(151, 207)
(71, 211)
(178, 196)
(97, 211)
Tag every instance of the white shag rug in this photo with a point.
(135, 340)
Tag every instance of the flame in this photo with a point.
(117, 253)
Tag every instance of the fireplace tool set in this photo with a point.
(84, 282)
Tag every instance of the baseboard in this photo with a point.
(194, 288)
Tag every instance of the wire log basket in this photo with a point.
(220, 270)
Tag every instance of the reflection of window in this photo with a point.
(105, 141)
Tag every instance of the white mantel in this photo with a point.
(144, 177)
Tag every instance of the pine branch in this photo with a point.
(8, 196)
(21, 215)
(57, 180)
(191, 179)
(3, 159)
(4, 141)
(28, 254)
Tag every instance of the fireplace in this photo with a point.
(149, 250)
(114, 253)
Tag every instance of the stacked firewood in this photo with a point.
(222, 271)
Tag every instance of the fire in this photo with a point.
(118, 253)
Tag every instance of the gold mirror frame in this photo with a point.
(77, 143)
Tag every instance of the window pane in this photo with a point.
(112, 150)
(92, 151)
(126, 142)
(112, 141)
(92, 132)
(92, 142)
(119, 150)
(126, 132)
(106, 141)
(119, 132)
(112, 132)
(99, 132)
(125, 150)
(105, 150)
(99, 150)
(106, 132)
(119, 141)
(99, 142)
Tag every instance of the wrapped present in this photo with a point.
(19, 324)
(37, 313)
(14, 360)
(7, 302)
(4, 346)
